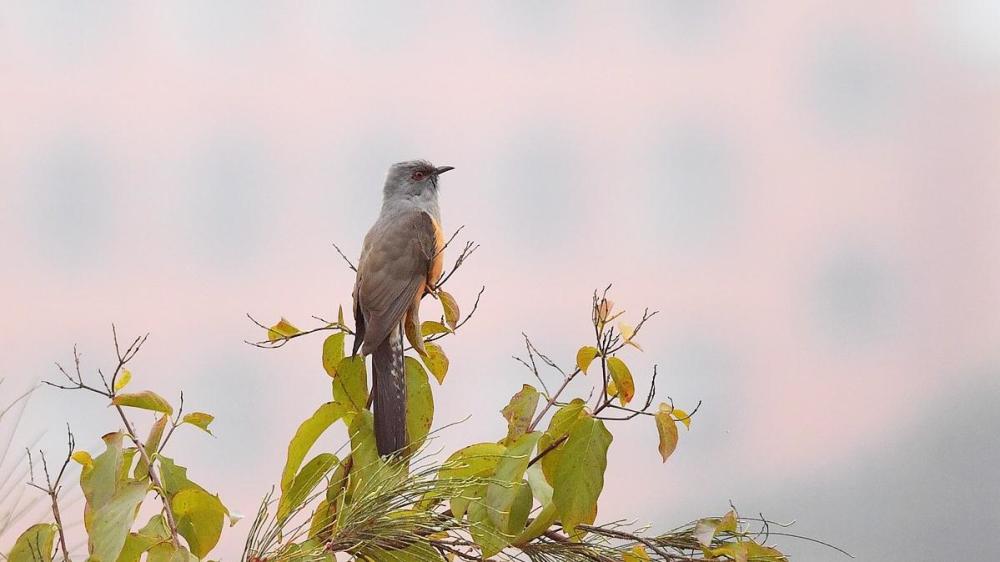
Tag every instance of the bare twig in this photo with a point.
(53, 487)
(346, 259)
(109, 392)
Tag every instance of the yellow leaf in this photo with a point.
(281, 330)
(682, 416)
(123, 379)
(622, 378)
(666, 427)
(450, 306)
(412, 331)
(585, 357)
(636, 554)
(627, 332)
(84, 458)
(340, 316)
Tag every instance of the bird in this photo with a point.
(401, 259)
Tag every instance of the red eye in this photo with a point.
(418, 175)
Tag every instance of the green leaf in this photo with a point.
(369, 470)
(305, 481)
(333, 352)
(100, 481)
(541, 523)
(666, 427)
(307, 434)
(622, 378)
(579, 478)
(151, 446)
(201, 420)
(450, 306)
(34, 545)
(145, 400)
(431, 327)
(281, 330)
(200, 519)
(501, 492)
(519, 412)
(559, 426)
(419, 403)
(479, 460)
(112, 521)
(490, 540)
(540, 487)
(123, 379)
(350, 386)
(585, 356)
(138, 543)
(436, 361)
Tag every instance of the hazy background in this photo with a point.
(807, 191)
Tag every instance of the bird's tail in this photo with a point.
(390, 395)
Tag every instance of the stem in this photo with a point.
(154, 477)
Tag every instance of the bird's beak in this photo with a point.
(442, 169)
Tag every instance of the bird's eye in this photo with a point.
(418, 175)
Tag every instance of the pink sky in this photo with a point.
(807, 192)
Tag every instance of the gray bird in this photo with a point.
(400, 261)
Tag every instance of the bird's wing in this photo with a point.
(393, 273)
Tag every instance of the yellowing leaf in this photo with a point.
(123, 379)
(201, 420)
(333, 352)
(450, 306)
(340, 316)
(622, 378)
(579, 478)
(281, 330)
(145, 400)
(350, 386)
(559, 426)
(681, 416)
(200, 519)
(627, 331)
(519, 412)
(431, 327)
(666, 427)
(585, 356)
(436, 361)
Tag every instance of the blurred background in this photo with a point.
(807, 191)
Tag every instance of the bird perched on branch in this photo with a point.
(400, 261)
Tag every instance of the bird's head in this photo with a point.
(413, 178)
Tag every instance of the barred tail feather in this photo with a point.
(390, 395)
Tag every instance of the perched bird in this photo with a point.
(400, 261)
